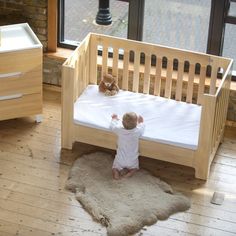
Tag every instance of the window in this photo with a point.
(203, 25)
(182, 24)
(76, 21)
(229, 48)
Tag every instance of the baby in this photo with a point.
(126, 159)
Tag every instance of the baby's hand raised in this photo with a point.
(114, 116)
(140, 119)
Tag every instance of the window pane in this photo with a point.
(80, 18)
(177, 23)
(229, 49)
(232, 9)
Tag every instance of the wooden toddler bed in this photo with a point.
(156, 75)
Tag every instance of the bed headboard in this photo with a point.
(147, 68)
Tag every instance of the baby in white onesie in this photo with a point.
(127, 153)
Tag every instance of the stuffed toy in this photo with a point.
(108, 85)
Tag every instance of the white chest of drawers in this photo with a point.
(20, 72)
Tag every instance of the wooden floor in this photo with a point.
(33, 171)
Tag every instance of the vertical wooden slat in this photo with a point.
(76, 79)
(79, 83)
(146, 82)
(224, 104)
(216, 130)
(86, 66)
(157, 83)
(104, 60)
(115, 62)
(136, 71)
(219, 116)
(189, 97)
(168, 78)
(179, 83)
(222, 107)
(125, 80)
(93, 61)
(82, 81)
(201, 84)
(213, 80)
(83, 70)
(83, 78)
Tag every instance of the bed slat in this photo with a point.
(93, 62)
(179, 83)
(146, 82)
(125, 71)
(104, 60)
(115, 62)
(190, 83)
(168, 78)
(136, 72)
(80, 76)
(157, 83)
(213, 80)
(201, 85)
(76, 80)
(84, 82)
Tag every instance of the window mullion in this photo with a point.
(136, 19)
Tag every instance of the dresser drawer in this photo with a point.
(20, 61)
(18, 105)
(21, 82)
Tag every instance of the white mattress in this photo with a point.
(167, 121)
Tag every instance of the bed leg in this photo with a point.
(67, 145)
(222, 138)
(67, 135)
(202, 172)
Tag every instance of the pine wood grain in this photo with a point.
(33, 171)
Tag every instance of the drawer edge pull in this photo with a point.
(10, 75)
(9, 97)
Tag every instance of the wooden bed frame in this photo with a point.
(150, 69)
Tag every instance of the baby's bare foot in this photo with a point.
(116, 174)
(124, 171)
(130, 173)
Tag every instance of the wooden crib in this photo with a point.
(150, 69)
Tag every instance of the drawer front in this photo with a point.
(18, 105)
(20, 61)
(21, 82)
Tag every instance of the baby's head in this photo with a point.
(130, 120)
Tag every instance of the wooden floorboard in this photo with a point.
(33, 171)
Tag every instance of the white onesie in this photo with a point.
(128, 145)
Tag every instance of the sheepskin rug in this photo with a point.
(124, 206)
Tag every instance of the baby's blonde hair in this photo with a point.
(130, 120)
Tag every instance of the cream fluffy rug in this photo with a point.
(123, 206)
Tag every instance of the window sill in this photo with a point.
(61, 53)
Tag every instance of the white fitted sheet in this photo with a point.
(167, 121)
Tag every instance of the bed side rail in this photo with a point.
(79, 64)
(213, 117)
(221, 108)
(202, 154)
(75, 78)
(154, 69)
